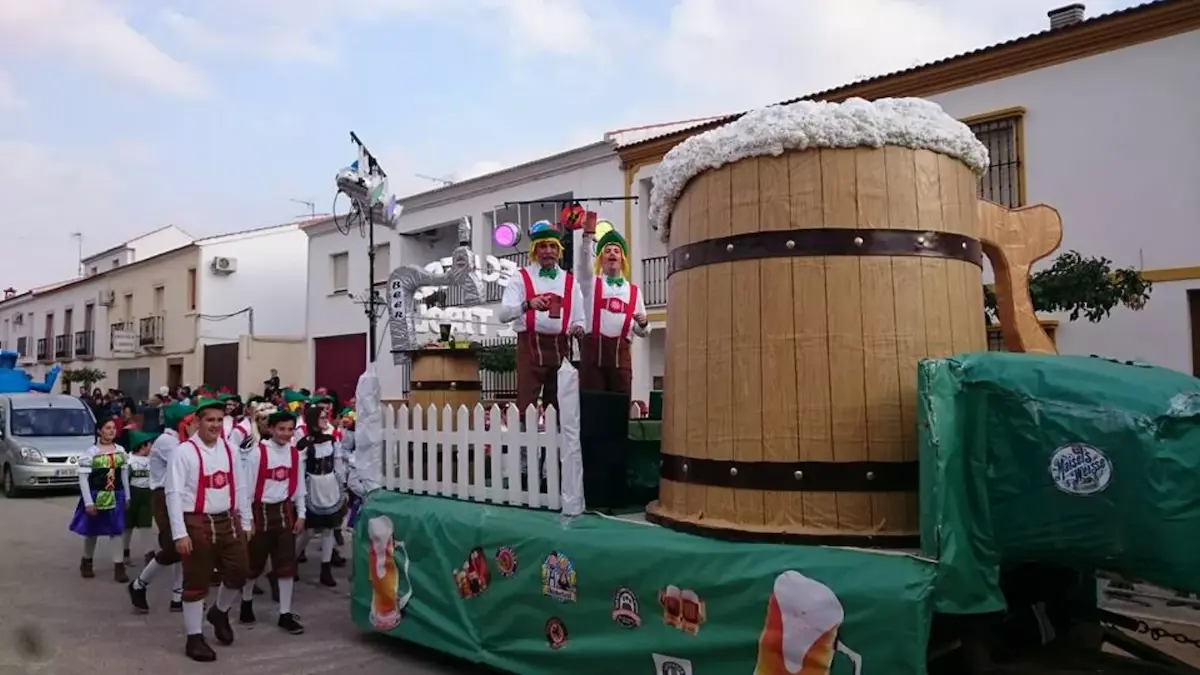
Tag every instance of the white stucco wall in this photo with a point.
(1110, 142)
(271, 276)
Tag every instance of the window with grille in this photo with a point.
(1002, 182)
(339, 264)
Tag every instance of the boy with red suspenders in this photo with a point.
(206, 525)
(544, 305)
(614, 309)
(275, 473)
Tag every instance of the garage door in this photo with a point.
(338, 362)
(221, 366)
(135, 382)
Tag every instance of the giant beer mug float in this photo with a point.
(387, 575)
(800, 636)
(817, 252)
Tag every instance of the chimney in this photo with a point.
(1066, 16)
(10, 293)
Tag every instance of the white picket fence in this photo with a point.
(470, 454)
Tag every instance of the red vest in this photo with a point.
(218, 481)
(290, 474)
(598, 305)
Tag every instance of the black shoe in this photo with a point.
(198, 650)
(85, 569)
(327, 575)
(220, 623)
(126, 560)
(176, 606)
(246, 616)
(337, 560)
(289, 623)
(137, 596)
(119, 574)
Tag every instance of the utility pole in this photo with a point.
(78, 237)
(367, 210)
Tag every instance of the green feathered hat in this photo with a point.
(280, 416)
(316, 400)
(207, 403)
(174, 414)
(138, 438)
(613, 237)
(293, 396)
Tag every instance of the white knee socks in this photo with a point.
(148, 573)
(302, 541)
(118, 554)
(176, 582)
(127, 538)
(225, 597)
(248, 590)
(193, 617)
(89, 547)
(285, 595)
(326, 546)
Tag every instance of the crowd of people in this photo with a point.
(236, 490)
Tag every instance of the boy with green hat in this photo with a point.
(139, 515)
(545, 306)
(613, 307)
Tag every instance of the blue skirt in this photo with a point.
(106, 523)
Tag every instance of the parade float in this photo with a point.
(13, 380)
(849, 483)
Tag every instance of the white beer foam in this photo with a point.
(808, 610)
(380, 530)
(906, 122)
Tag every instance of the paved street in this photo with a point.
(52, 621)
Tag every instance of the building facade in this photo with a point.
(339, 281)
(146, 322)
(1093, 118)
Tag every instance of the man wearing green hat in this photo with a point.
(161, 451)
(614, 311)
(545, 306)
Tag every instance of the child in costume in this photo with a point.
(104, 495)
(614, 308)
(140, 514)
(325, 497)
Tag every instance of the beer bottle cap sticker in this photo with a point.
(556, 633)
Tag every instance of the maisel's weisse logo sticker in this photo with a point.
(506, 561)
(558, 577)
(671, 665)
(625, 608)
(556, 633)
(1079, 469)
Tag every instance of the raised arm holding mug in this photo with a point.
(545, 306)
(613, 306)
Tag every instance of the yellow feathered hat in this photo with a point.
(609, 236)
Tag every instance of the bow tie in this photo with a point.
(615, 281)
(548, 272)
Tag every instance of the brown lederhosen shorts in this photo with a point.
(217, 541)
(273, 539)
(166, 554)
(606, 365)
(538, 359)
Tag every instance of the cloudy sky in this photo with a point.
(120, 116)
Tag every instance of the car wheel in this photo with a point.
(10, 486)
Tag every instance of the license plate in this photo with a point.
(63, 473)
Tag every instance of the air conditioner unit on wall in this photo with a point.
(107, 298)
(223, 265)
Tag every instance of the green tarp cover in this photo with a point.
(1082, 461)
(596, 595)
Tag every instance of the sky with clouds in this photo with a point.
(120, 116)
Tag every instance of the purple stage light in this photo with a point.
(506, 235)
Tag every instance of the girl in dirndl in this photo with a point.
(325, 492)
(104, 496)
(140, 514)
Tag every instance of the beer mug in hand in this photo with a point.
(556, 305)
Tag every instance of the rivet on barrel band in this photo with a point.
(921, 240)
(870, 475)
(790, 243)
(733, 471)
(728, 247)
(858, 241)
(798, 475)
(453, 386)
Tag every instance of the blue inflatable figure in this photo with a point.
(16, 381)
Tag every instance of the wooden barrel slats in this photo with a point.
(804, 358)
(442, 377)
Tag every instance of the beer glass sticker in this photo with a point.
(671, 665)
(388, 563)
(682, 609)
(800, 634)
(474, 576)
(1080, 469)
(558, 577)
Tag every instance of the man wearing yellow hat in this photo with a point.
(613, 307)
(544, 305)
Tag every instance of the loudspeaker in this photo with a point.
(604, 441)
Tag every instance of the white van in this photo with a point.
(41, 439)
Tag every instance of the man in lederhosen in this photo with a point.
(274, 474)
(208, 528)
(545, 306)
(614, 311)
(164, 447)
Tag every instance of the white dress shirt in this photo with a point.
(139, 471)
(183, 481)
(276, 483)
(612, 317)
(83, 469)
(514, 296)
(160, 455)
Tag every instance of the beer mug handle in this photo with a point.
(852, 655)
(1013, 240)
(402, 601)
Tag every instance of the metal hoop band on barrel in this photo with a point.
(447, 385)
(825, 242)
(792, 476)
(891, 541)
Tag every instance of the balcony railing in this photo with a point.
(85, 344)
(150, 331)
(492, 291)
(43, 349)
(62, 347)
(23, 347)
(654, 281)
